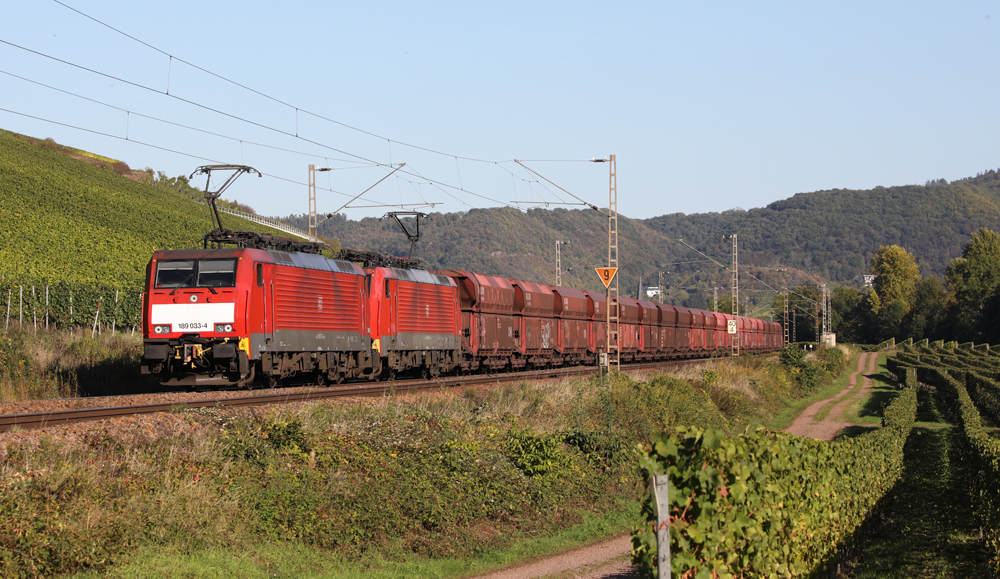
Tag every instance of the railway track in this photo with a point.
(57, 417)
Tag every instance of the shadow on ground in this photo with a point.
(884, 390)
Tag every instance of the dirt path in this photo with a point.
(605, 560)
(825, 429)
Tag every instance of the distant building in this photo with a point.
(651, 291)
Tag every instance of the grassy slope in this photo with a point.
(62, 219)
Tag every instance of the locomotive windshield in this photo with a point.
(196, 273)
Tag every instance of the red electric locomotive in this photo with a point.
(216, 317)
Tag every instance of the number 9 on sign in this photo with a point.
(606, 274)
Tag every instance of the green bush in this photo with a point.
(768, 504)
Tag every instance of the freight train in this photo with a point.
(235, 316)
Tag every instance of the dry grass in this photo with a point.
(59, 363)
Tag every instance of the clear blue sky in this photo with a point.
(708, 106)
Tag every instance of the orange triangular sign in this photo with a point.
(606, 274)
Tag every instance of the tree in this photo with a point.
(974, 278)
(924, 318)
(896, 274)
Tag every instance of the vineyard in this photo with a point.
(85, 232)
(966, 383)
(777, 505)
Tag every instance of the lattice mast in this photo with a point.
(313, 223)
(823, 318)
(614, 334)
(784, 317)
(736, 297)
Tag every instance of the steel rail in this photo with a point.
(57, 417)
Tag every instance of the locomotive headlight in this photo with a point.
(223, 328)
(161, 329)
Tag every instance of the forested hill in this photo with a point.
(828, 234)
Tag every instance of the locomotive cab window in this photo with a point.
(175, 273)
(196, 273)
(216, 272)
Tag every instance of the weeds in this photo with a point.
(399, 478)
(63, 363)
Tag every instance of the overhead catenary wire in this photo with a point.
(174, 151)
(257, 124)
(228, 115)
(67, 125)
(187, 127)
(745, 272)
(187, 101)
(261, 94)
(295, 134)
(582, 202)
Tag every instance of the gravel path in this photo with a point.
(806, 424)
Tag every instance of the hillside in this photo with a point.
(827, 235)
(63, 219)
(830, 233)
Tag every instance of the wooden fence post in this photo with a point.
(93, 331)
(661, 496)
(114, 320)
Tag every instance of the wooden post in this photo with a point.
(20, 306)
(661, 495)
(34, 309)
(114, 319)
(93, 331)
(46, 307)
(7, 323)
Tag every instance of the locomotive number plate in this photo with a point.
(193, 317)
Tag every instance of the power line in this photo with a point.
(183, 126)
(174, 151)
(289, 105)
(262, 125)
(241, 119)
(190, 102)
(112, 136)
